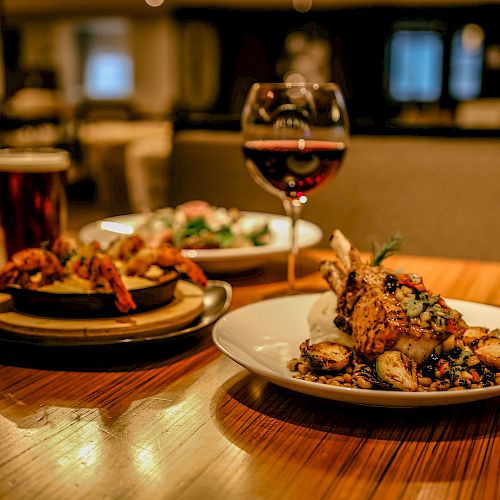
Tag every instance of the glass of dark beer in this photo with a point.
(33, 207)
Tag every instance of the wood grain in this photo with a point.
(179, 420)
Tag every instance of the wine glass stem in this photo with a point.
(293, 208)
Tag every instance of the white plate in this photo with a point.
(226, 259)
(264, 336)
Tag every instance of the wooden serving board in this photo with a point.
(186, 306)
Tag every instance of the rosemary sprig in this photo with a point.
(389, 247)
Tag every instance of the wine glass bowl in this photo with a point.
(294, 139)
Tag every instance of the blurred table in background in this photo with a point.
(106, 151)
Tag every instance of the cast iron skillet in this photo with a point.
(89, 305)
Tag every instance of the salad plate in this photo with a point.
(264, 336)
(220, 260)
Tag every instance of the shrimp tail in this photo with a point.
(193, 271)
(124, 301)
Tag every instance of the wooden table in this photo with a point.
(180, 420)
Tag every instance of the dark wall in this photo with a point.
(252, 43)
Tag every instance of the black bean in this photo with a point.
(479, 368)
(391, 283)
(433, 359)
(455, 352)
(428, 370)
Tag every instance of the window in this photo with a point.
(108, 75)
(108, 71)
(415, 66)
(466, 62)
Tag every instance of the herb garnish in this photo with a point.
(391, 246)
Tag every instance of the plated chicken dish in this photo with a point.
(383, 329)
(129, 265)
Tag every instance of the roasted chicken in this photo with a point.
(383, 310)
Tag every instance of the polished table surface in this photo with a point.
(178, 419)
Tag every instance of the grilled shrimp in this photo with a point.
(125, 248)
(64, 248)
(31, 268)
(165, 256)
(103, 275)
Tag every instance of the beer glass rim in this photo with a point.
(40, 158)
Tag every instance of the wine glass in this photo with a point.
(294, 139)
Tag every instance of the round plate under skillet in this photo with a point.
(187, 305)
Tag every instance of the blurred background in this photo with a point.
(146, 95)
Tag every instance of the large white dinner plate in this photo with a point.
(264, 336)
(226, 259)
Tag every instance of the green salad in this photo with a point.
(199, 225)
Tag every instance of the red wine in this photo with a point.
(293, 167)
